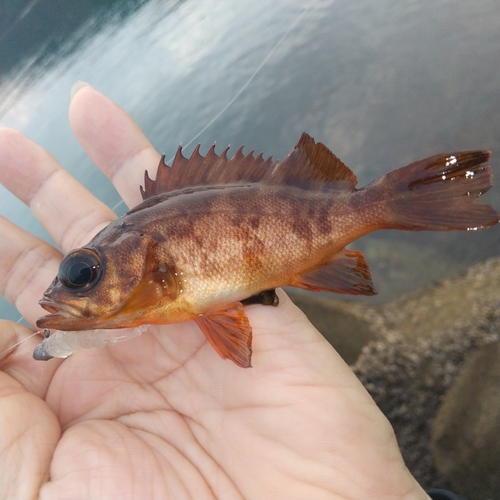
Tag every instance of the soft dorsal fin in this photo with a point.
(308, 164)
(314, 163)
(209, 170)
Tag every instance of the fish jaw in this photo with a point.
(65, 317)
(82, 313)
(69, 313)
(65, 322)
(68, 319)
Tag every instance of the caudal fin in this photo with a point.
(439, 193)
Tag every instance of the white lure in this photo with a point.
(62, 344)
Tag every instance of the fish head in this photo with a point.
(73, 297)
(113, 287)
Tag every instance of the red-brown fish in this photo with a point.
(213, 232)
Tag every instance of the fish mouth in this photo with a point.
(49, 306)
(69, 318)
(61, 317)
(55, 308)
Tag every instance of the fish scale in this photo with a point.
(213, 234)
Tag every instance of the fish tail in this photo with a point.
(439, 193)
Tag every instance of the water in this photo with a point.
(381, 83)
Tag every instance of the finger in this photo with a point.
(70, 213)
(113, 140)
(284, 336)
(29, 432)
(17, 343)
(27, 266)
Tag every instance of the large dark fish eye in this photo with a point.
(79, 269)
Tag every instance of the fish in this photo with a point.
(214, 234)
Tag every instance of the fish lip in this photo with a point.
(49, 306)
(48, 321)
(60, 309)
(60, 320)
(59, 314)
(66, 317)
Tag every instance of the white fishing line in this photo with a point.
(226, 107)
(252, 76)
(242, 89)
(13, 346)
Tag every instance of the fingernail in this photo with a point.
(77, 86)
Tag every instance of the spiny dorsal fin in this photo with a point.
(307, 164)
(208, 170)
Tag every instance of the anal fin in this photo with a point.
(346, 273)
(229, 333)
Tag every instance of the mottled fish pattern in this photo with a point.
(215, 233)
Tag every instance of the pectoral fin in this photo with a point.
(148, 293)
(346, 273)
(229, 332)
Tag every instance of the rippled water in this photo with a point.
(381, 83)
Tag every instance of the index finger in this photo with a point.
(113, 140)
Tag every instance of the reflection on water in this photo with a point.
(382, 84)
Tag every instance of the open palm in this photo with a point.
(162, 416)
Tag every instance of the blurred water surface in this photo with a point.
(380, 83)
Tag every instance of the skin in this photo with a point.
(162, 416)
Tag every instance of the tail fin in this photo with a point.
(439, 193)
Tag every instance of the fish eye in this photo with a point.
(80, 269)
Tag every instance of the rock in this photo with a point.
(425, 339)
(465, 439)
(450, 303)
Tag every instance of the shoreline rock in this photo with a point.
(465, 436)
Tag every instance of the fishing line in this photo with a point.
(18, 343)
(254, 74)
(18, 322)
(242, 89)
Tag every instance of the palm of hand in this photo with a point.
(162, 415)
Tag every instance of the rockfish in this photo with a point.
(214, 234)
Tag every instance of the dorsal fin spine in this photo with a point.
(308, 165)
(179, 155)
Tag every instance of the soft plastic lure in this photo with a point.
(62, 344)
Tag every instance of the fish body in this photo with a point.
(213, 231)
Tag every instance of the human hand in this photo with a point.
(162, 416)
